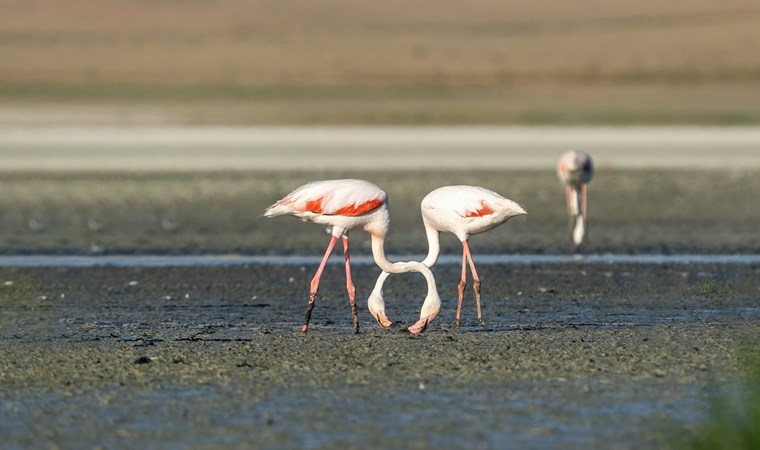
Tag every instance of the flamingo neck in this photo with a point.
(579, 230)
(378, 252)
(432, 303)
(575, 200)
(578, 213)
(434, 246)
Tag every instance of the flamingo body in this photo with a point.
(344, 205)
(464, 211)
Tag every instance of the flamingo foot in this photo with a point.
(381, 319)
(421, 324)
(305, 328)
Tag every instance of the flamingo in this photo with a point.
(575, 170)
(344, 205)
(463, 211)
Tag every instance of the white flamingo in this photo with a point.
(463, 211)
(575, 170)
(344, 205)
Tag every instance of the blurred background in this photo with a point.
(169, 125)
(391, 62)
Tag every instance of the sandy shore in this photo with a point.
(213, 148)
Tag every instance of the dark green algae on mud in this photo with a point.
(631, 211)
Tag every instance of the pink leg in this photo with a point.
(315, 283)
(475, 282)
(461, 287)
(350, 286)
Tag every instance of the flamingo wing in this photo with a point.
(463, 201)
(331, 197)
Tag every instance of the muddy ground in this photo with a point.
(575, 356)
(630, 211)
(572, 355)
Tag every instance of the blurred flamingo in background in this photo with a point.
(343, 205)
(463, 211)
(575, 169)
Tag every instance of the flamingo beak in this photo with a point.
(376, 304)
(422, 324)
(381, 319)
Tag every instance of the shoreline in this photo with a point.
(284, 148)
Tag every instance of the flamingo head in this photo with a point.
(575, 168)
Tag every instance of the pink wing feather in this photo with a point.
(332, 197)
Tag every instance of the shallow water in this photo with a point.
(230, 260)
(510, 414)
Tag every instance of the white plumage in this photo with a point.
(344, 205)
(327, 197)
(467, 210)
(464, 211)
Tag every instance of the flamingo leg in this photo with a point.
(314, 287)
(475, 282)
(462, 285)
(350, 288)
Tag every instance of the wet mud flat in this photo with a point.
(212, 212)
(572, 356)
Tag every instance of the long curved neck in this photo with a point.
(579, 215)
(378, 252)
(434, 246)
(432, 303)
(575, 201)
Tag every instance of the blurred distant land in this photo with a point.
(418, 62)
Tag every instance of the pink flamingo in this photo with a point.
(575, 170)
(463, 211)
(344, 205)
